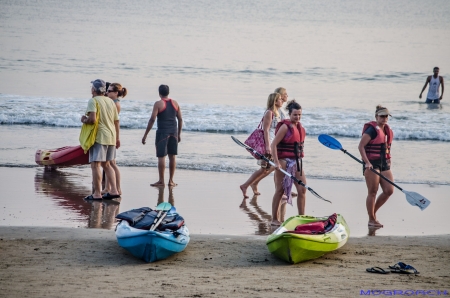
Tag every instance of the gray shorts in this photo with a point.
(99, 152)
(166, 143)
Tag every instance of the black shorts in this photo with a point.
(166, 143)
(382, 165)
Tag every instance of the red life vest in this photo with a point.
(286, 148)
(380, 147)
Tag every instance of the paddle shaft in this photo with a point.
(281, 170)
(374, 171)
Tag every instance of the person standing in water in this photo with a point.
(115, 91)
(167, 112)
(433, 91)
(287, 152)
(375, 150)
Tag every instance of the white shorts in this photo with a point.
(99, 152)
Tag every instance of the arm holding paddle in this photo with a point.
(365, 139)
(278, 138)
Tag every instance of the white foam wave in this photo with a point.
(64, 112)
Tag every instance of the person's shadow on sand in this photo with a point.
(259, 217)
(63, 188)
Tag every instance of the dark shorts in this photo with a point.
(433, 100)
(166, 143)
(384, 165)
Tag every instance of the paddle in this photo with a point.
(256, 153)
(163, 207)
(413, 198)
(171, 210)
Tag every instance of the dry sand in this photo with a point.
(75, 262)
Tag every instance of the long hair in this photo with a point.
(271, 100)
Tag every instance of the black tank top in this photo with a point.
(166, 120)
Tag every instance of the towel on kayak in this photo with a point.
(318, 227)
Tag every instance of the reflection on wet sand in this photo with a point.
(372, 231)
(64, 189)
(261, 218)
(161, 195)
(103, 214)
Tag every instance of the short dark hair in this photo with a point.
(163, 90)
(293, 105)
(435, 68)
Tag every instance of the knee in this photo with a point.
(389, 191)
(372, 192)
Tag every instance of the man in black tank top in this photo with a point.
(167, 112)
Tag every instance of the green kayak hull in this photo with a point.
(296, 248)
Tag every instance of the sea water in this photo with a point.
(222, 59)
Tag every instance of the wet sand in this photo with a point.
(47, 250)
(211, 202)
(76, 262)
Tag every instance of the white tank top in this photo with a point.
(433, 90)
(273, 125)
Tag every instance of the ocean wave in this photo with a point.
(63, 112)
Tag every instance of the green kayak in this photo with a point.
(295, 248)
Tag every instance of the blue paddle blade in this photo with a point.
(330, 142)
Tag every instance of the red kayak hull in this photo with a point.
(62, 157)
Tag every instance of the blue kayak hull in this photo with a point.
(151, 246)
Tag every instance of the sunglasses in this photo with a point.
(383, 116)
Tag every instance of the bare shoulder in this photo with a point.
(175, 103)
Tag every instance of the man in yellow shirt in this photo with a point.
(106, 140)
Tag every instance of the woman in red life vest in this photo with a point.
(375, 146)
(287, 152)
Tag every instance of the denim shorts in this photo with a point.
(437, 100)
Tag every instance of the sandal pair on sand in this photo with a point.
(400, 267)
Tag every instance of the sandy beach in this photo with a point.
(54, 244)
(75, 262)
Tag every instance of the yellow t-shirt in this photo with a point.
(106, 134)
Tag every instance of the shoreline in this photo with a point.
(55, 262)
(210, 204)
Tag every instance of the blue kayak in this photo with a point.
(167, 239)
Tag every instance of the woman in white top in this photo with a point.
(115, 91)
(270, 121)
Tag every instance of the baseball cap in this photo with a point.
(99, 85)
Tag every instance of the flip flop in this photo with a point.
(108, 196)
(91, 197)
(403, 268)
(378, 270)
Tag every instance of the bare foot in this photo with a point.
(375, 223)
(158, 183)
(105, 191)
(244, 191)
(172, 184)
(294, 194)
(255, 189)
